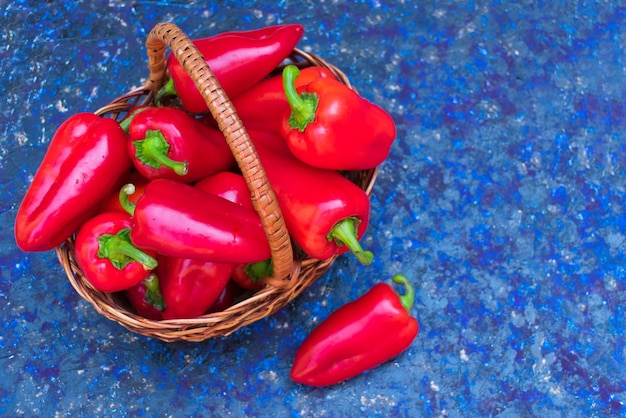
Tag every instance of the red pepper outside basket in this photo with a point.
(331, 126)
(238, 59)
(166, 142)
(325, 213)
(106, 255)
(85, 161)
(178, 220)
(358, 336)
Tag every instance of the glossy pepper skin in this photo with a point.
(166, 142)
(178, 220)
(190, 287)
(106, 255)
(263, 106)
(84, 162)
(238, 59)
(331, 126)
(358, 336)
(146, 298)
(325, 213)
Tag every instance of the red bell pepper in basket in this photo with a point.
(190, 287)
(106, 255)
(84, 162)
(178, 220)
(325, 213)
(358, 336)
(146, 298)
(166, 142)
(331, 126)
(263, 106)
(238, 60)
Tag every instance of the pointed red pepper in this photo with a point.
(166, 142)
(358, 336)
(325, 213)
(238, 59)
(331, 126)
(178, 220)
(106, 255)
(263, 106)
(84, 163)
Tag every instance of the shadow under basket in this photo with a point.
(293, 271)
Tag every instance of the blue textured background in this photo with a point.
(502, 199)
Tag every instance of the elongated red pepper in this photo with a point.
(84, 162)
(358, 336)
(238, 59)
(146, 298)
(178, 220)
(331, 126)
(263, 106)
(233, 187)
(106, 255)
(166, 142)
(325, 213)
(190, 287)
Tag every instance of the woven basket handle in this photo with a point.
(228, 121)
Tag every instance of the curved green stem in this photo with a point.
(168, 90)
(125, 202)
(408, 297)
(120, 251)
(345, 233)
(303, 106)
(153, 295)
(152, 151)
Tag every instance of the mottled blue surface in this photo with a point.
(503, 199)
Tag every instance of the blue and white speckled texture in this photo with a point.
(502, 199)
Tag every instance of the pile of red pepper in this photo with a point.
(157, 207)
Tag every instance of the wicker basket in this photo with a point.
(293, 272)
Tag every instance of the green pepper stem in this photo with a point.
(153, 295)
(125, 202)
(152, 151)
(303, 106)
(257, 271)
(345, 233)
(125, 123)
(120, 251)
(168, 90)
(408, 297)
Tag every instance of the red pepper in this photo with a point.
(233, 187)
(146, 298)
(190, 287)
(331, 126)
(84, 162)
(106, 255)
(263, 106)
(325, 213)
(238, 60)
(166, 142)
(226, 298)
(227, 185)
(358, 336)
(178, 220)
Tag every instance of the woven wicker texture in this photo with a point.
(292, 274)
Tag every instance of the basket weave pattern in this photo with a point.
(292, 272)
